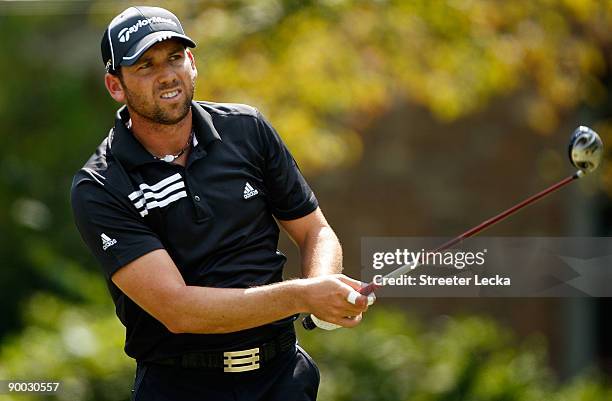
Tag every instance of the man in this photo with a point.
(179, 204)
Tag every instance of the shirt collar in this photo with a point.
(203, 126)
(130, 152)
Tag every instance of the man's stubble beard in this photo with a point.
(153, 112)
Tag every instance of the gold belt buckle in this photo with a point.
(241, 361)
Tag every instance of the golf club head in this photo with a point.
(585, 149)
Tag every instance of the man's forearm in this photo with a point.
(224, 310)
(321, 253)
(216, 310)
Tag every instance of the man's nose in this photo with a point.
(166, 76)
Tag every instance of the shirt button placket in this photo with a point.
(202, 210)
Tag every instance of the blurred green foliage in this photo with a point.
(79, 346)
(393, 357)
(50, 100)
(389, 357)
(323, 70)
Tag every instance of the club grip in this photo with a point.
(308, 323)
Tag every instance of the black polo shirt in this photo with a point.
(215, 216)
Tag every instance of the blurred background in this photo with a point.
(409, 118)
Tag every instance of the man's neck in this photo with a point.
(162, 139)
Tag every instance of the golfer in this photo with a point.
(180, 205)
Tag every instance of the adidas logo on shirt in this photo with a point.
(107, 241)
(249, 191)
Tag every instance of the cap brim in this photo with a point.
(145, 43)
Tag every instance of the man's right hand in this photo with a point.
(326, 297)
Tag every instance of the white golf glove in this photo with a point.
(352, 297)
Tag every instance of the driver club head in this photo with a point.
(585, 149)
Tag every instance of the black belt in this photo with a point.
(234, 361)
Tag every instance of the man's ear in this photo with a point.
(192, 61)
(114, 87)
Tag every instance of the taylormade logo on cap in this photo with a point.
(124, 34)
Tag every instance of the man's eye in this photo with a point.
(175, 57)
(144, 66)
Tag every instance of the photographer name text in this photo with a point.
(425, 280)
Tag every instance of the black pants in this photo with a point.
(289, 377)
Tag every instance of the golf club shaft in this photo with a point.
(371, 287)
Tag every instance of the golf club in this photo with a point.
(585, 153)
